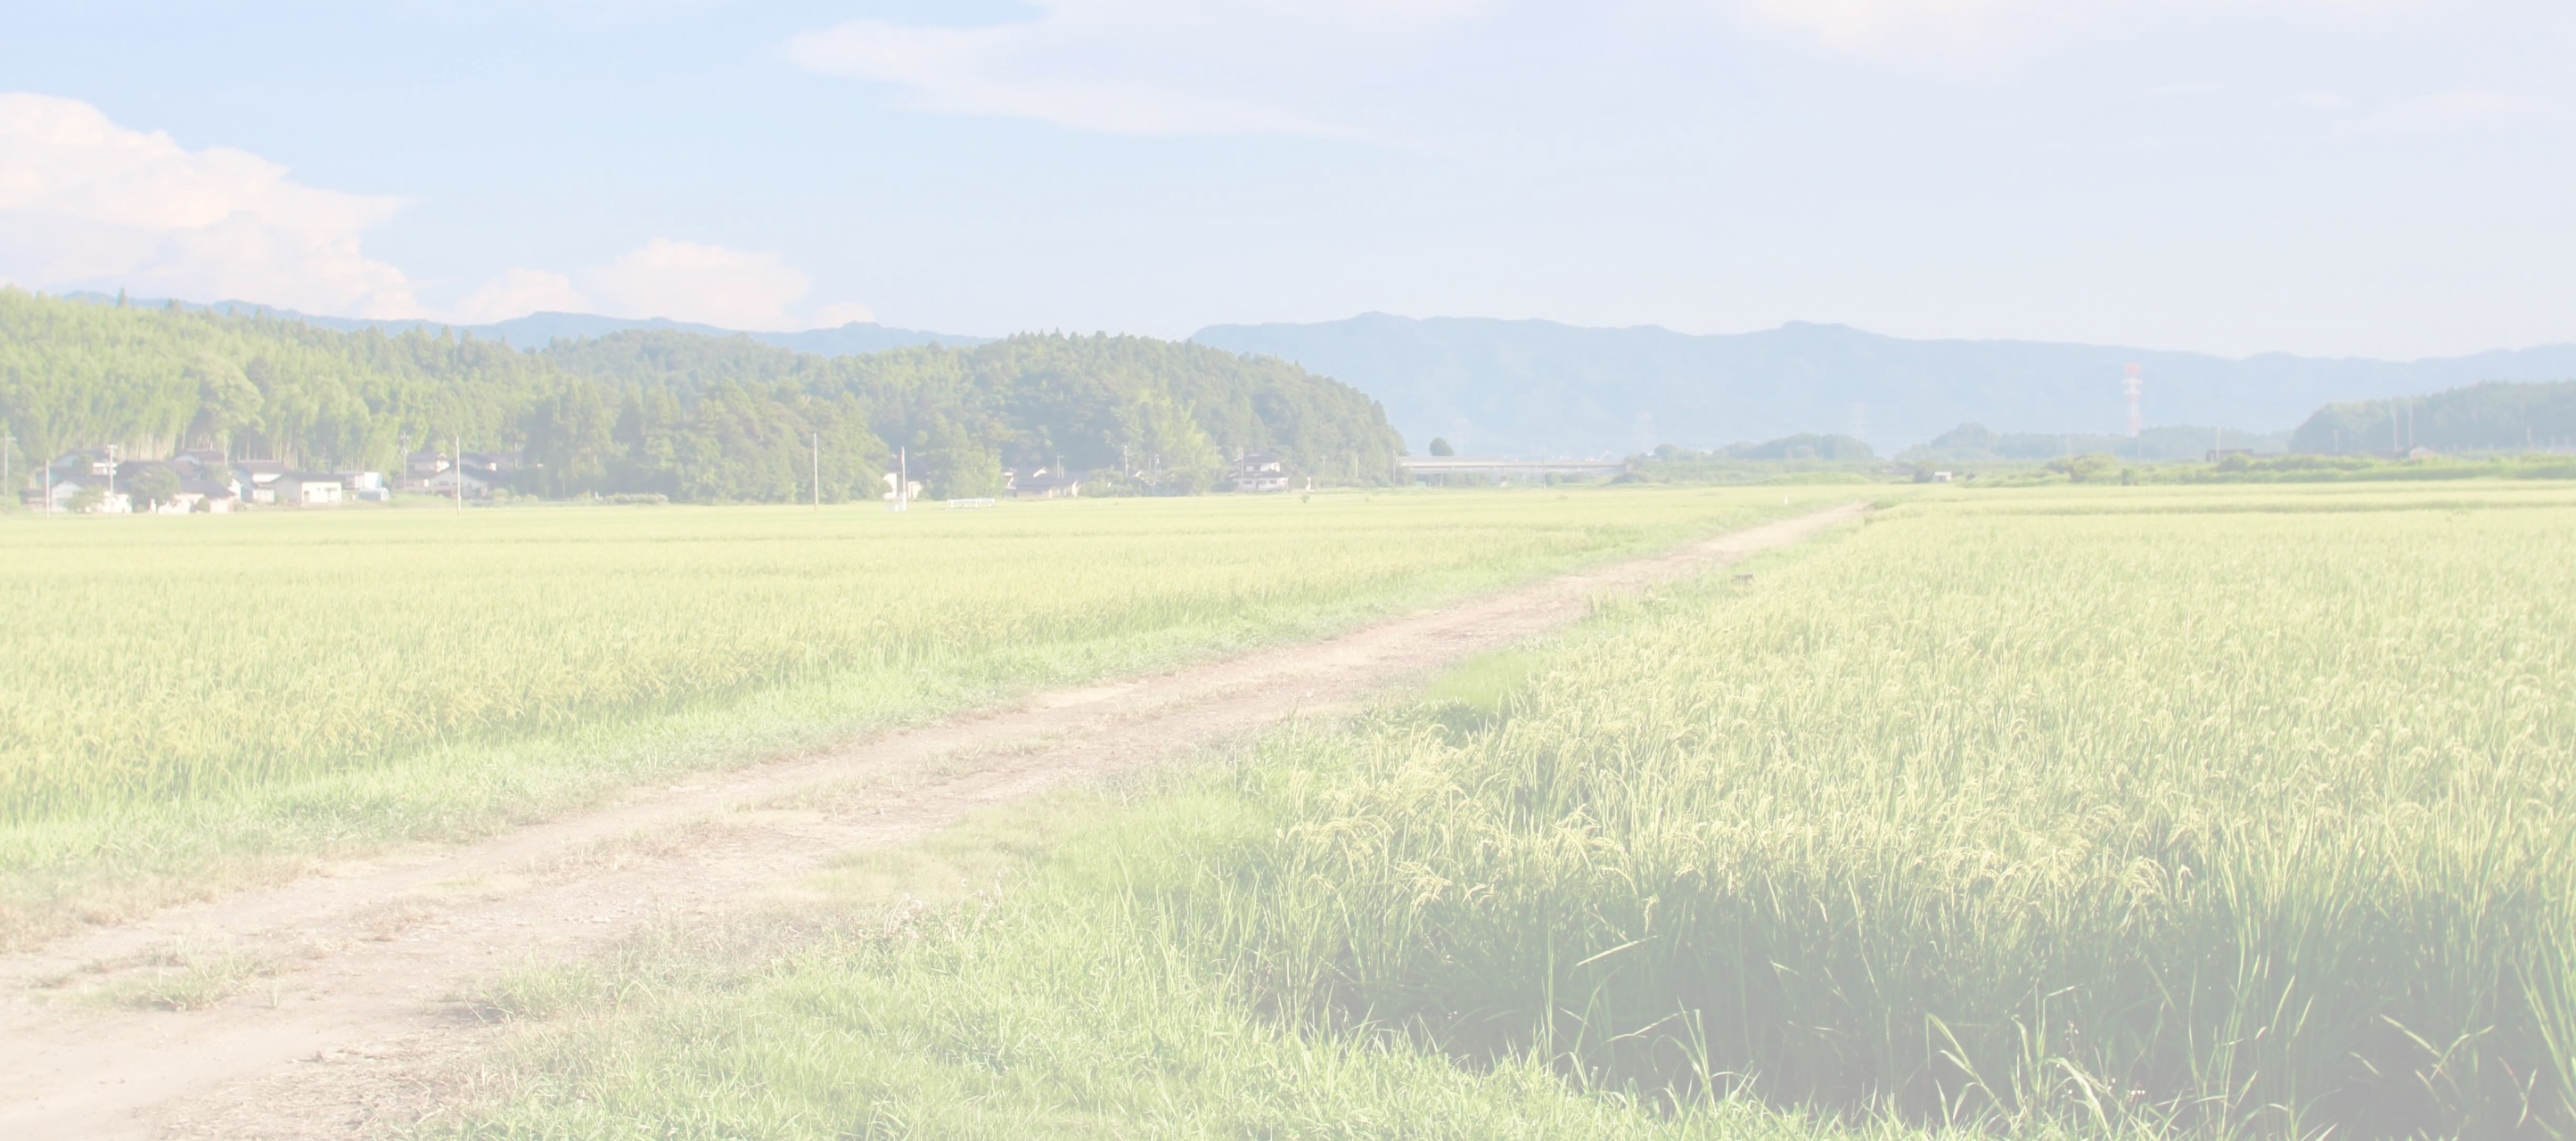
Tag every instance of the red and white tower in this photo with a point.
(2130, 386)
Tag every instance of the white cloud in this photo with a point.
(687, 281)
(85, 203)
(1145, 67)
(88, 204)
(682, 281)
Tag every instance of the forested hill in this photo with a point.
(1085, 403)
(688, 415)
(2479, 418)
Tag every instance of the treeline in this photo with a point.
(1971, 443)
(1804, 446)
(2492, 417)
(691, 416)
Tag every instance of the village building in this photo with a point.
(493, 464)
(190, 481)
(363, 486)
(68, 495)
(207, 496)
(202, 463)
(1260, 471)
(257, 479)
(478, 485)
(307, 489)
(421, 467)
(1042, 483)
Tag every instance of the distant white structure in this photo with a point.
(2137, 423)
(1261, 471)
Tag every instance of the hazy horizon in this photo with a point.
(2325, 178)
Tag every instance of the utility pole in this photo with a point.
(818, 471)
(457, 469)
(111, 448)
(902, 479)
(6, 440)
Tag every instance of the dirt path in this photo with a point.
(349, 971)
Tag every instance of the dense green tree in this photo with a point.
(570, 441)
(151, 487)
(2491, 417)
(687, 415)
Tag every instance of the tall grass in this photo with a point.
(2088, 812)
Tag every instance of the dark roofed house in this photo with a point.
(1041, 483)
(206, 495)
(477, 485)
(257, 479)
(202, 463)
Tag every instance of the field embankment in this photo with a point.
(2136, 812)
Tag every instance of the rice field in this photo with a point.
(188, 691)
(2216, 812)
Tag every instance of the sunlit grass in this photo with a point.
(196, 697)
(2089, 812)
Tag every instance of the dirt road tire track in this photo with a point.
(368, 952)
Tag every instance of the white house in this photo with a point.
(63, 492)
(1260, 472)
(478, 485)
(205, 495)
(1042, 483)
(308, 489)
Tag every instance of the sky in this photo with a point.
(2384, 178)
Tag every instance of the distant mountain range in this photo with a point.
(536, 329)
(1538, 388)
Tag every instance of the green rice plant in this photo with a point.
(191, 694)
(2077, 812)
(2121, 809)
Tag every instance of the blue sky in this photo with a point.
(2363, 177)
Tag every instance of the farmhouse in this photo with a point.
(257, 479)
(491, 464)
(421, 467)
(363, 486)
(202, 463)
(87, 494)
(478, 485)
(206, 495)
(1261, 471)
(307, 489)
(1040, 483)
